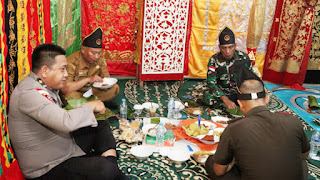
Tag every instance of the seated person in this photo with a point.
(263, 145)
(85, 67)
(53, 143)
(222, 72)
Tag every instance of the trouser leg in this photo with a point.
(304, 170)
(233, 174)
(85, 168)
(98, 138)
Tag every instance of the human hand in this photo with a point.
(229, 104)
(97, 106)
(95, 78)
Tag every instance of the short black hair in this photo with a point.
(44, 55)
(251, 86)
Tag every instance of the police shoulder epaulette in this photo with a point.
(41, 82)
(235, 120)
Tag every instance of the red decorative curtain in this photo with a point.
(118, 22)
(24, 24)
(289, 42)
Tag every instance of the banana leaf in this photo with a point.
(77, 102)
(235, 112)
(313, 103)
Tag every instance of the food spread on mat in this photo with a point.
(130, 132)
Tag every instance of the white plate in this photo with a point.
(216, 138)
(147, 105)
(106, 84)
(221, 120)
(141, 152)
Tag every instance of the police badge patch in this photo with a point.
(45, 94)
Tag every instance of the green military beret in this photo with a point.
(226, 36)
(93, 40)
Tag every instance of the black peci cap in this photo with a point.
(93, 40)
(226, 36)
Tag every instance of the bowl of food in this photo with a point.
(179, 156)
(141, 152)
(106, 83)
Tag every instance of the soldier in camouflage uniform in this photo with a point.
(222, 72)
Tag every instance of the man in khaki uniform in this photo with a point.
(85, 67)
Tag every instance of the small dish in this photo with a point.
(106, 84)
(150, 129)
(220, 119)
(178, 156)
(141, 152)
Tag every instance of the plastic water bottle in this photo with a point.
(170, 114)
(315, 138)
(161, 130)
(123, 109)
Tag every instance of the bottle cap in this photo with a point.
(123, 100)
(161, 123)
(171, 98)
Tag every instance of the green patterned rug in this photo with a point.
(158, 167)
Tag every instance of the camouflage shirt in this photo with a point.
(221, 76)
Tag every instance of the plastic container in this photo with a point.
(170, 114)
(123, 109)
(314, 144)
(161, 130)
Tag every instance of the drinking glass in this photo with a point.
(171, 138)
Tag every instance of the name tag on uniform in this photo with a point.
(81, 73)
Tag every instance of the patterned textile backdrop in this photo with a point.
(118, 22)
(23, 25)
(314, 61)
(66, 24)
(290, 41)
(209, 17)
(165, 35)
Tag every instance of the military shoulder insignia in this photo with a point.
(226, 37)
(45, 94)
(211, 68)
